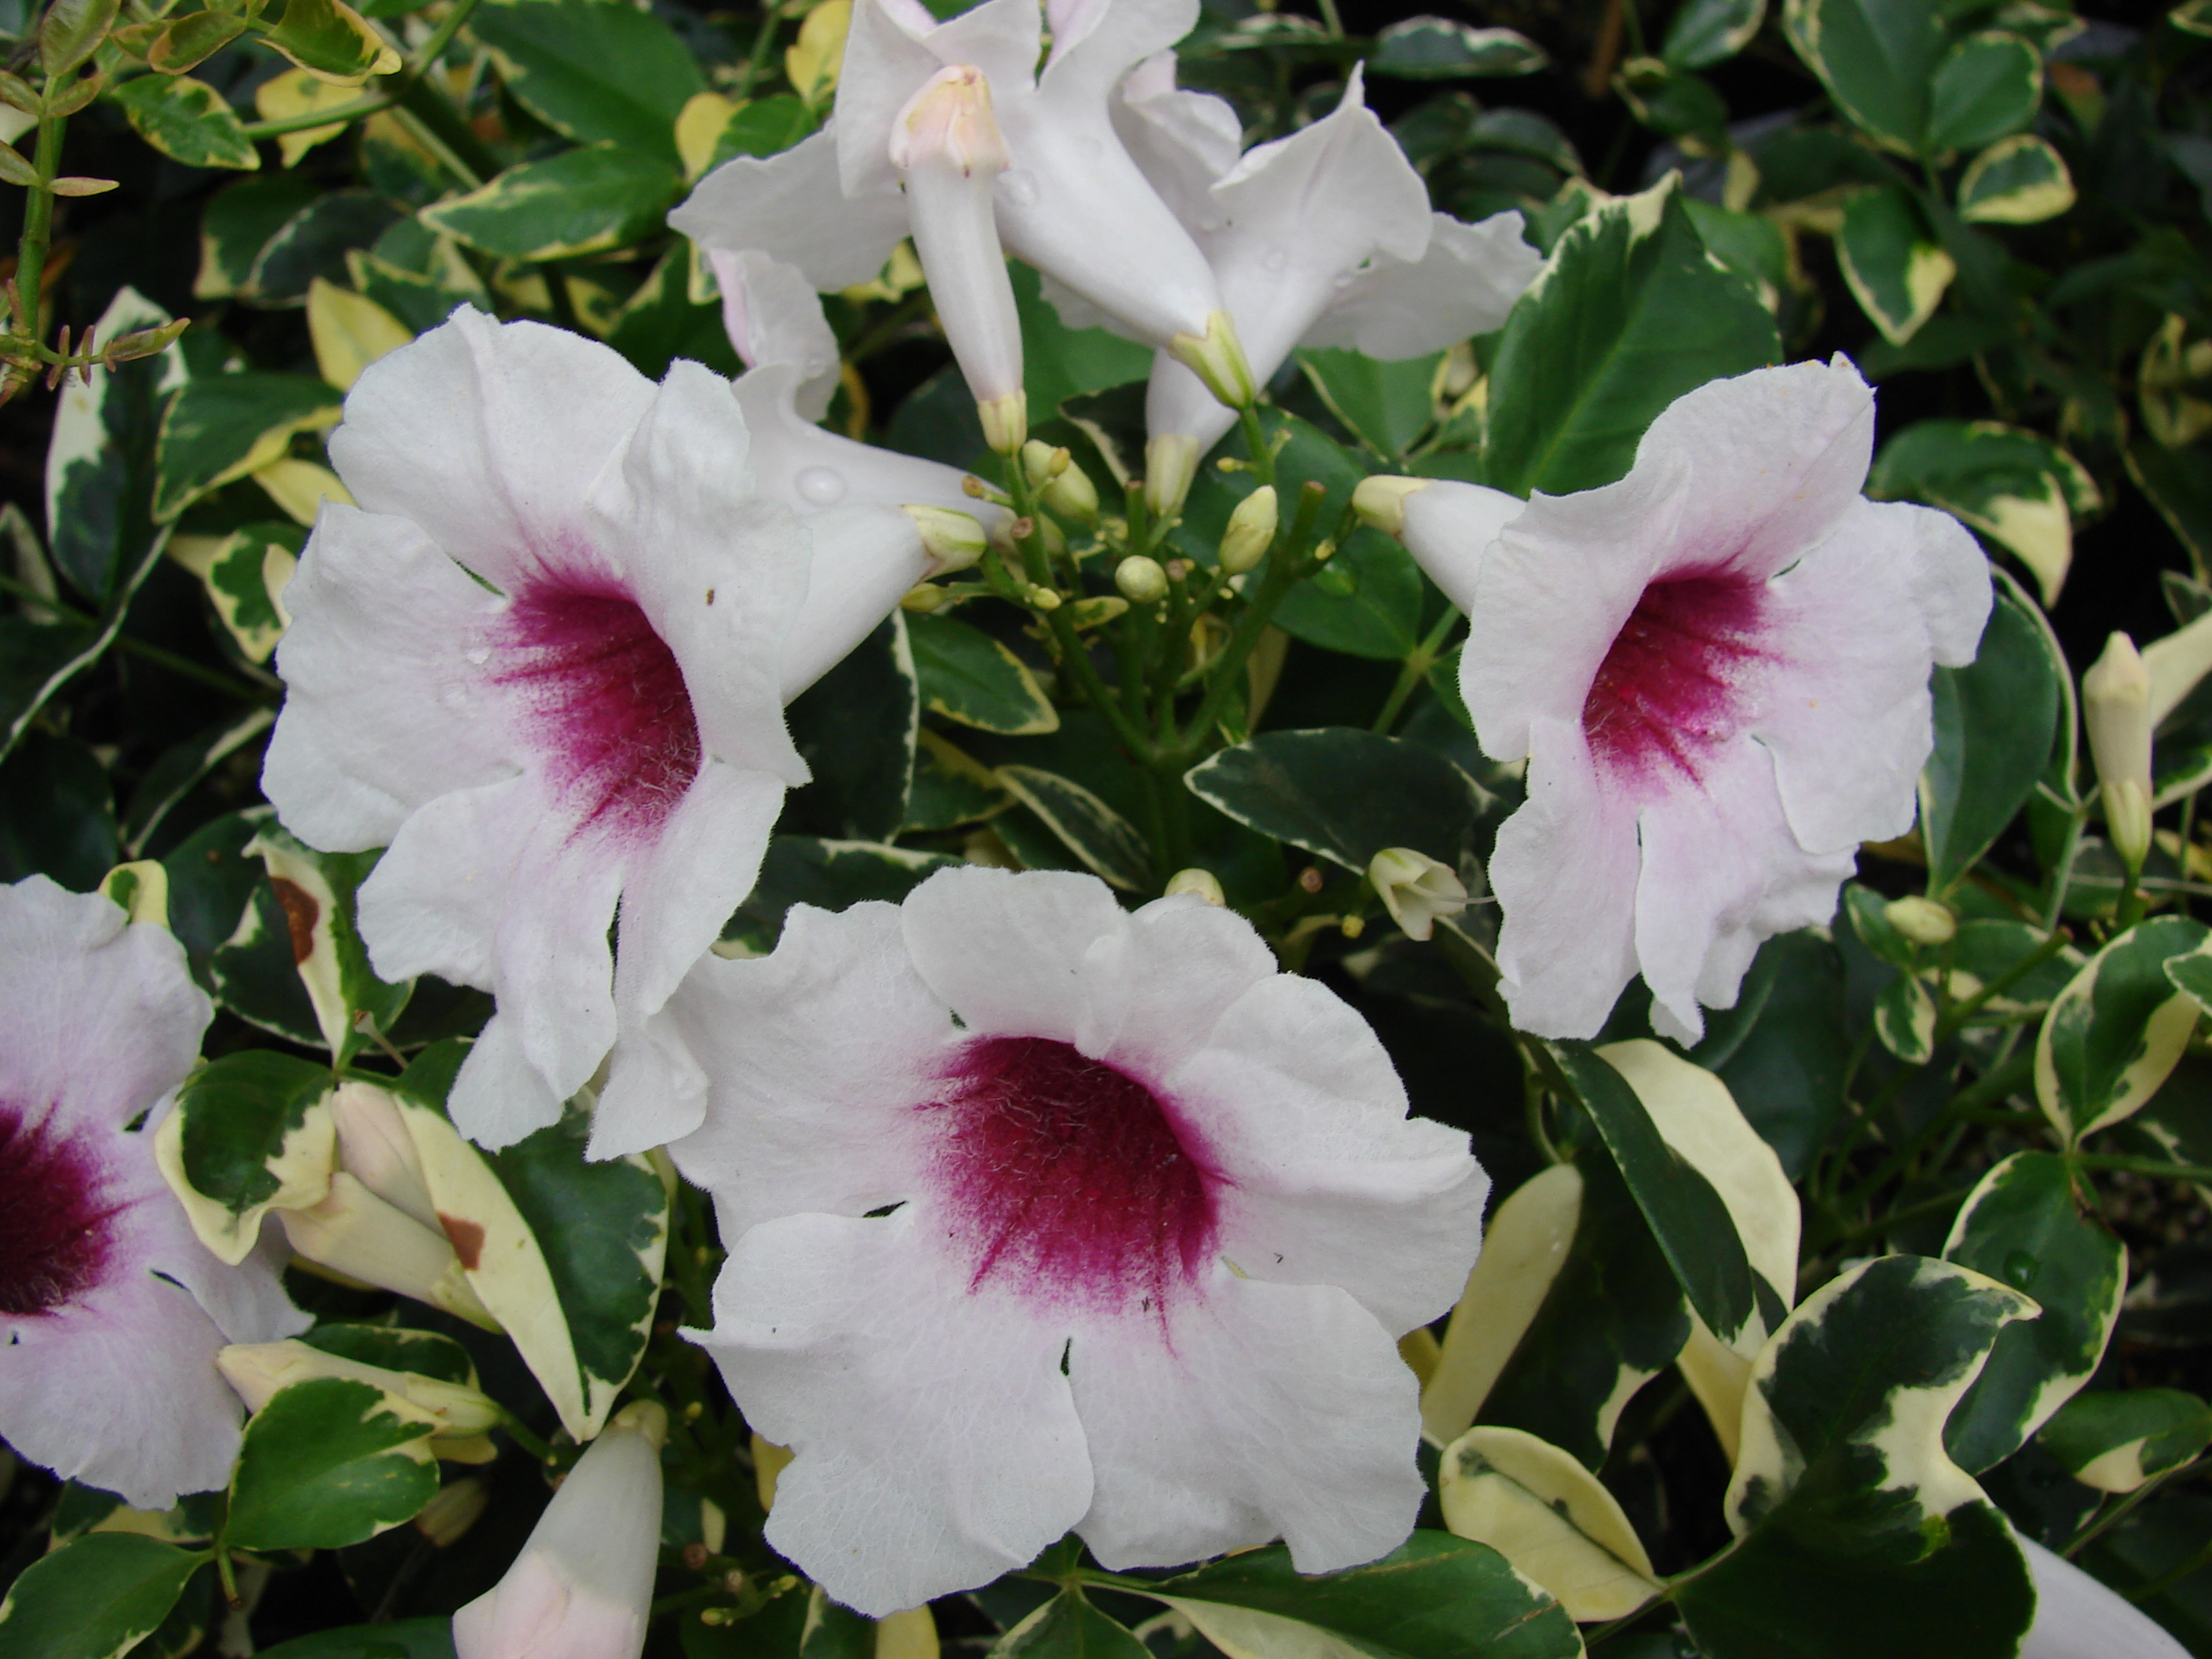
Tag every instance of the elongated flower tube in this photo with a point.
(1071, 202)
(1324, 238)
(2078, 1618)
(542, 662)
(2116, 695)
(582, 1587)
(112, 1312)
(1717, 671)
(1044, 1215)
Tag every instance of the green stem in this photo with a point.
(756, 59)
(2063, 876)
(1418, 663)
(1286, 563)
(2105, 1522)
(31, 249)
(1255, 441)
(520, 1433)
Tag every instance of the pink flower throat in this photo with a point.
(608, 702)
(1674, 684)
(1068, 1179)
(54, 1241)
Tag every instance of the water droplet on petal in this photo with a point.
(821, 486)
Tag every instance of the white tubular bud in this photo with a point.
(376, 1150)
(1415, 888)
(1141, 579)
(1200, 884)
(1922, 921)
(355, 1233)
(583, 1583)
(952, 540)
(1170, 464)
(1251, 531)
(2115, 695)
(1381, 500)
(1070, 494)
(946, 145)
(1217, 357)
(259, 1372)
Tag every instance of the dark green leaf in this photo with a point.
(855, 729)
(1059, 363)
(593, 69)
(1069, 1627)
(1705, 31)
(186, 120)
(99, 467)
(1995, 721)
(967, 676)
(2014, 486)
(318, 242)
(56, 817)
(1108, 844)
(2179, 486)
(396, 1348)
(2022, 1227)
(767, 126)
(251, 1131)
(256, 971)
(2116, 1441)
(2114, 1033)
(2018, 181)
(580, 202)
(1876, 58)
(1444, 49)
(1628, 314)
(1986, 88)
(328, 1463)
(222, 427)
(95, 1597)
(402, 1639)
(1386, 405)
(212, 880)
(1896, 269)
(1344, 794)
(950, 787)
(830, 875)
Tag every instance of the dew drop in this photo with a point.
(821, 486)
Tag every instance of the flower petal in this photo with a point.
(936, 1439)
(1566, 948)
(792, 207)
(1181, 141)
(1466, 282)
(1262, 1409)
(1181, 964)
(1454, 524)
(866, 559)
(816, 1056)
(809, 469)
(1014, 954)
(773, 315)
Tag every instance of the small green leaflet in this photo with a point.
(95, 1597)
(328, 1463)
(2114, 1033)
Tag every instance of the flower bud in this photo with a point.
(259, 1372)
(1251, 531)
(1381, 500)
(1042, 463)
(376, 1150)
(950, 121)
(446, 1518)
(1070, 494)
(1170, 464)
(924, 599)
(1218, 358)
(1141, 579)
(1200, 882)
(1922, 921)
(354, 1232)
(583, 1583)
(1005, 421)
(1415, 888)
(953, 540)
(2116, 709)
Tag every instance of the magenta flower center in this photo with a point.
(1068, 1179)
(54, 1236)
(1673, 685)
(608, 703)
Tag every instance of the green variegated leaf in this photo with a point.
(1612, 1318)
(2117, 1028)
(1434, 1597)
(1905, 1019)
(2016, 486)
(328, 1463)
(1869, 918)
(830, 875)
(330, 41)
(2115, 1441)
(1108, 843)
(580, 201)
(1550, 1517)
(186, 120)
(399, 1638)
(1843, 1499)
(244, 573)
(2020, 180)
(2022, 1227)
(855, 728)
(967, 676)
(1707, 32)
(251, 1132)
(1068, 1628)
(237, 223)
(1688, 1219)
(593, 70)
(70, 31)
(1445, 49)
(1344, 794)
(316, 891)
(1388, 406)
(950, 787)
(1995, 721)
(1986, 88)
(1876, 57)
(1986, 951)
(255, 972)
(96, 1597)
(1896, 269)
(396, 1348)
(221, 427)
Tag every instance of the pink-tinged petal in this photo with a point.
(101, 1017)
(937, 1444)
(538, 1612)
(1552, 593)
(1465, 283)
(1259, 1410)
(1320, 1175)
(1847, 717)
(472, 433)
(885, 64)
(1566, 948)
(816, 1057)
(1014, 954)
(1949, 574)
(866, 559)
(378, 653)
(1775, 457)
(1721, 872)
(792, 207)
(248, 1302)
(772, 315)
(725, 578)
(1452, 524)
(811, 471)
(2076, 1617)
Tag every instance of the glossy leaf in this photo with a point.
(2114, 1033)
(70, 31)
(192, 39)
(1784, 1061)
(1707, 32)
(830, 875)
(593, 69)
(1628, 314)
(1388, 406)
(331, 42)
(2020, 180)
(950, 787)
(316, 891)
(243, 573)
(400, 1639)
(328, 1463)
(1068, 1628)
(967, 676)
(1896, 269)
(255, 973)
(1876, 57)
(1107, 843)
(95, 1597)
(1344, 794)
(2023, 1226)
(1995, 722)
(221, 427)
(855, 728)
(251, 1132)
(2116, 1441)
(186, 120)
(578, 202)
(2016, 486)
(1442, 48)
(1986, 88)
(1905, 1020)
(1550, 1517)
(396, 1348)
